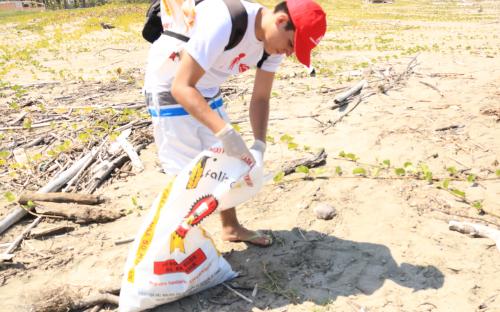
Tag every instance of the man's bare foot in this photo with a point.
(240, 234)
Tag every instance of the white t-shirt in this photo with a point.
(208, 39)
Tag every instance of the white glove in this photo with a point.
(234, 145)
(259, 145)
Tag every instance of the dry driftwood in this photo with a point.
(316, 161)
(6, 257)
(352, 91)
(122, 143)
(19, 239)
(476, 230)
(78, 213)
(95, 300)
(124, 241)
(63, 299)
(106, 170)
(58, 229)
(86, 199)
(53, 185)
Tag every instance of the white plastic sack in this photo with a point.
(172, 256)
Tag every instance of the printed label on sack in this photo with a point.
(201, 209)
(187, 266)
(147, 237)
(196, 173)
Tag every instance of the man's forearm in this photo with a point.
(259, 116)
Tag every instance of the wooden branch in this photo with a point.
(18, 119)
(476, 230)
(316, 161)
(59, 229)
(449, 127)
(432, 87)
(352, 91)
(125, 145)
(106, 170)
(53, 185)
(78, 213)
(6, 257)
(237, 293)
(56, 197)
(124, 241)
(20, 238)
(95, 300)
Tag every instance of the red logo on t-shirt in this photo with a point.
(243, 67)
(236, 60)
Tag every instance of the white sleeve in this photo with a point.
(210, 34)
(272, 63)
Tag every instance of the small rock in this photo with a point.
(324, 211)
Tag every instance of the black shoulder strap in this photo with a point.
(264, 57)
(239, 22)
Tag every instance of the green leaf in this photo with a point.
(9, 196)
(342, 154)
(4, 154)
(459, 193)
(236, 127)
(270, 139)
(318, 171)
(30, 204)
(286, 138)
(279, 176)
(359, 170)
(307, 147)
(375, 172)
(446, 183)
(351, 156)
(428, 176)
(407, 164)
(292, 145)
(452, 170)
(424, 168)
(134, 200)
(478, 205)
(400, 171)
(27, 123)
(387, 163)
(471, 178)
(302, 169)
(338, 170)
(497, 172)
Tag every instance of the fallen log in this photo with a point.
(94, 300)
(53, 185)
(476, 230)
(59, 229)
(81, 214)
(57, 197)
(316, 161)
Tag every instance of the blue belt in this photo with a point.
(178, 111)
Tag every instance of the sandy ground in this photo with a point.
(387, 249)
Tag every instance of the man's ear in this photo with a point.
(281, 18)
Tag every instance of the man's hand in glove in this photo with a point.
(234, 145)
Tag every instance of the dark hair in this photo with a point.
(281, 7)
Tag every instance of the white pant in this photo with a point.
(180, 137)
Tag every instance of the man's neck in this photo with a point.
(260, 23)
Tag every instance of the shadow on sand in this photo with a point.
(308, 266)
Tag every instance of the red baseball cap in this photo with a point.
(309, 20)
